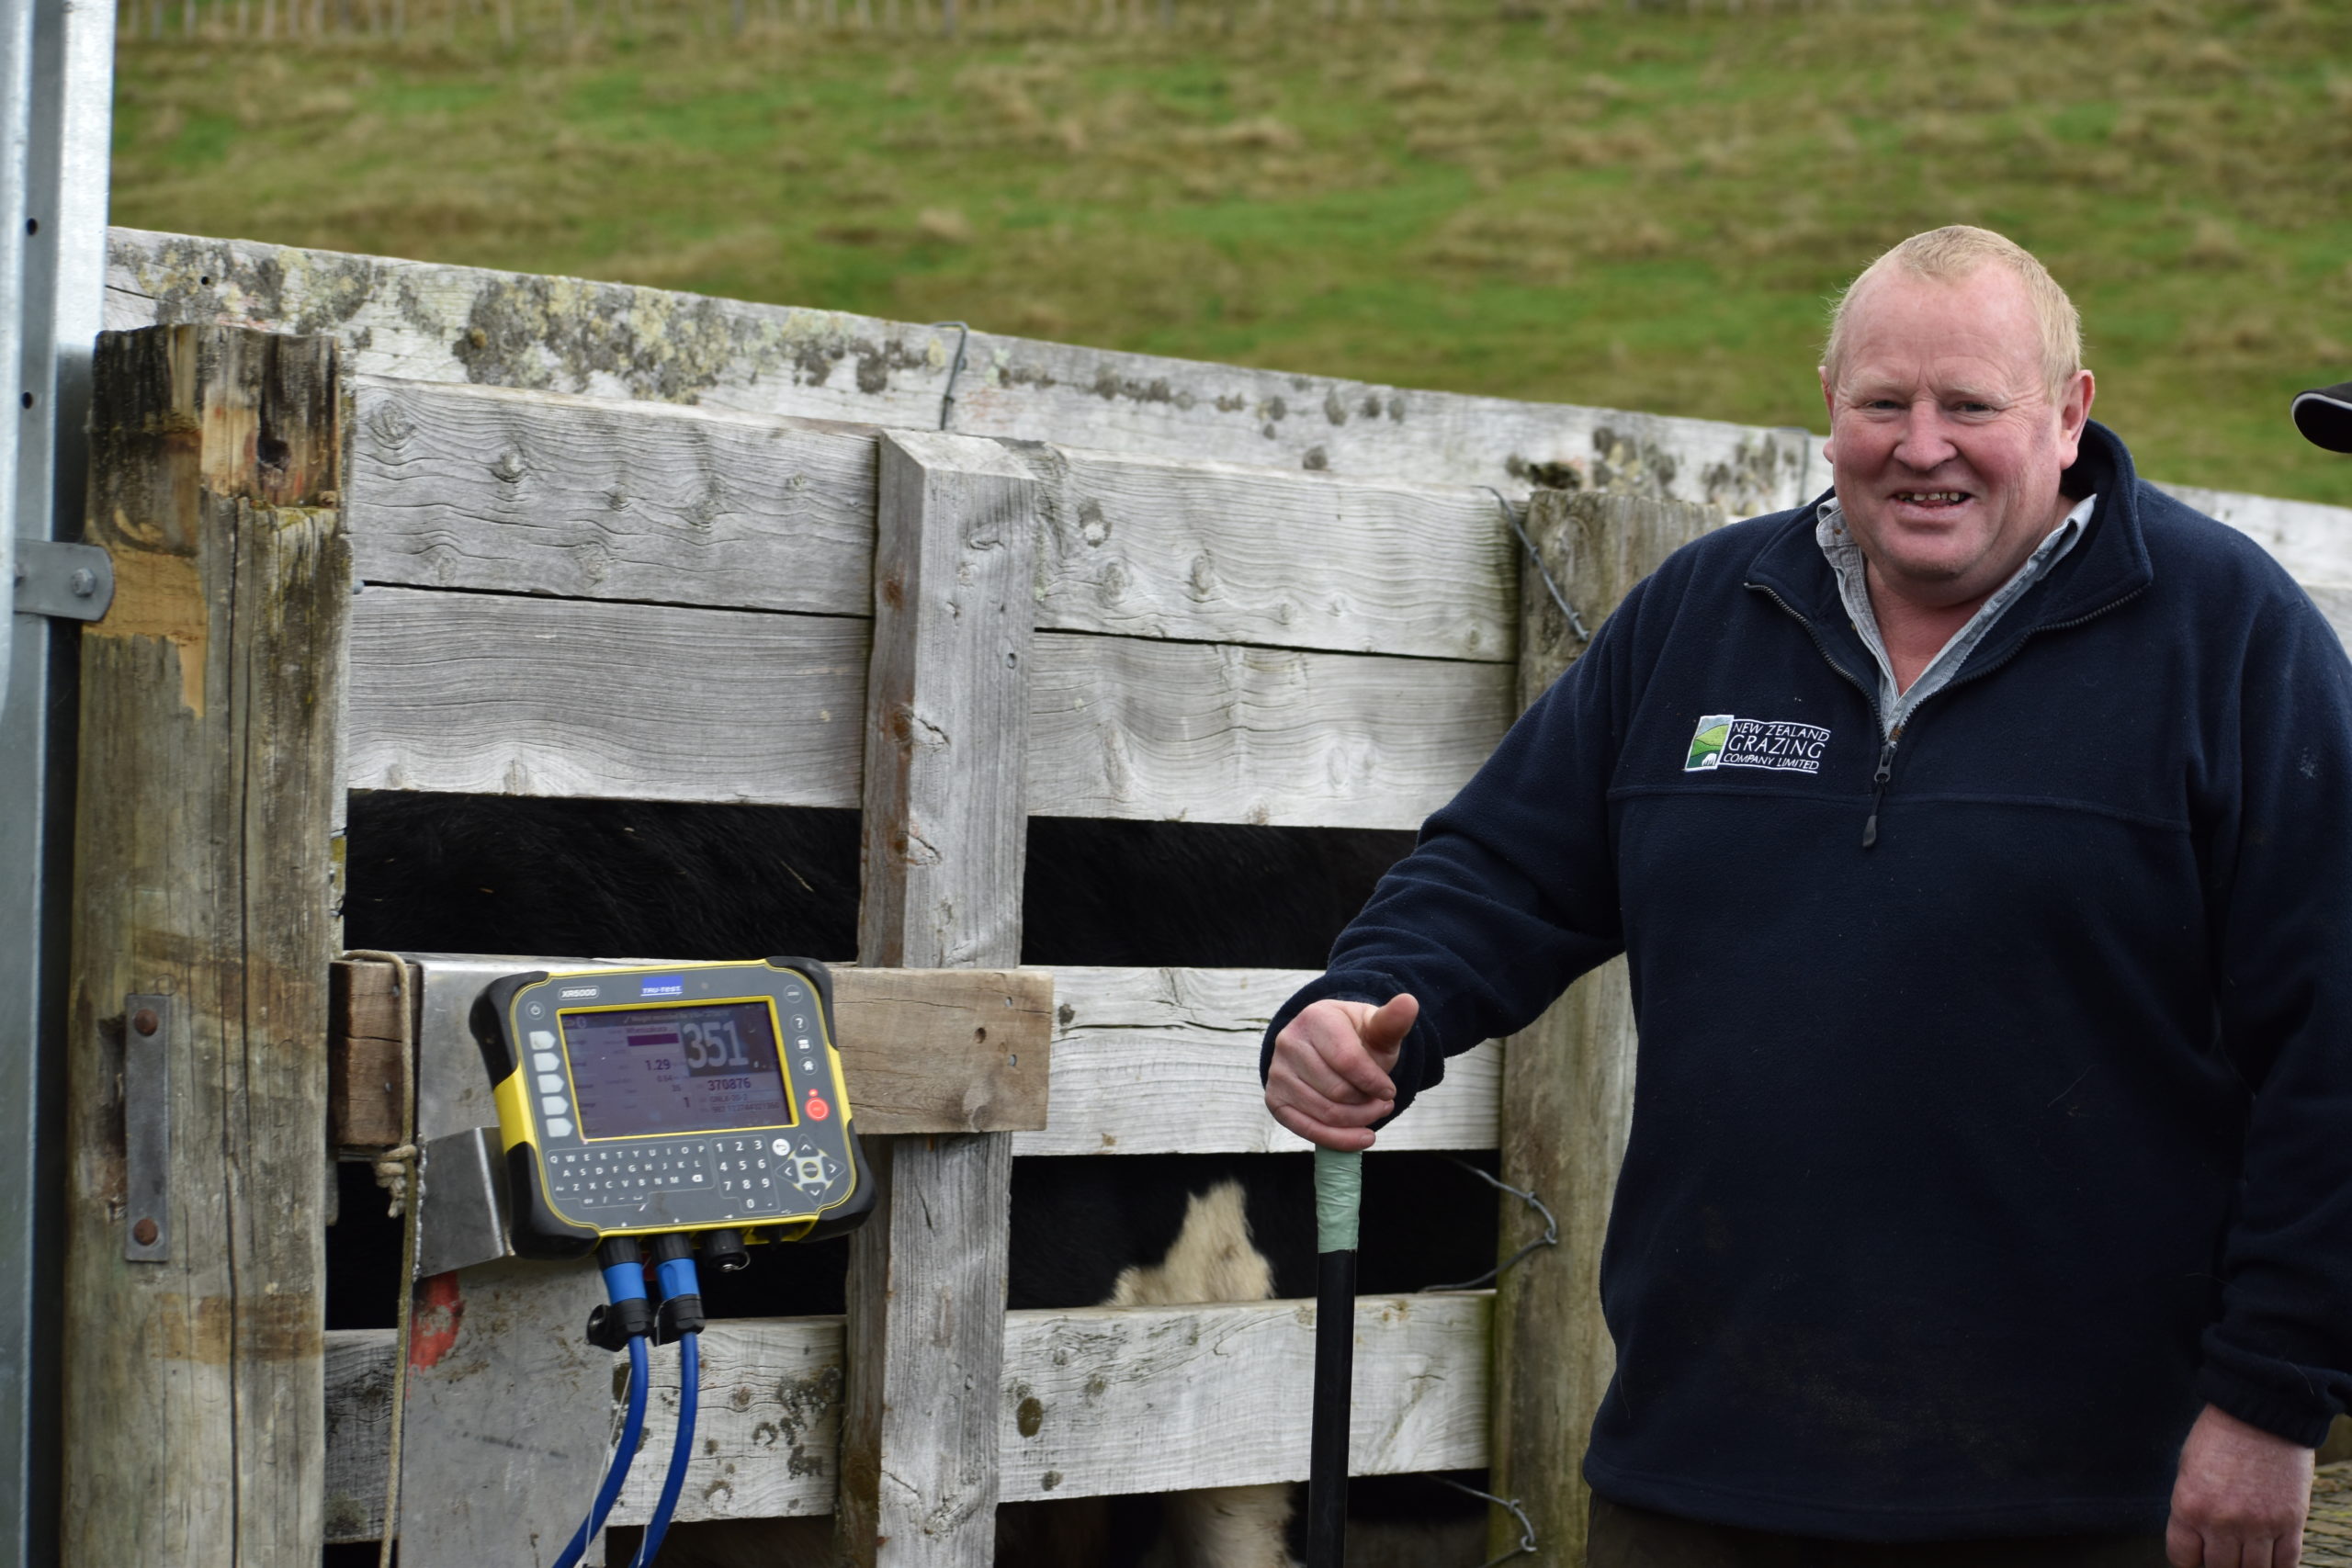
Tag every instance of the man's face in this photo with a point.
(1944, 439)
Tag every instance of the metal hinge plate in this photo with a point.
(147, 1128)
(73, 583)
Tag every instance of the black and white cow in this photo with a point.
(510, 875)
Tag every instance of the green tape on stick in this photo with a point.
(1339, 1197)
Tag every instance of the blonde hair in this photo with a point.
(1951, 253)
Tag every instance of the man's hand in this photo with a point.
(2241, 1497)
(1330, 1079)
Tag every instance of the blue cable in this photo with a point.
(675, 1277)
(623, 1282)
(632, 1433)
(689, 1378)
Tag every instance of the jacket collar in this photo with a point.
(2110, 565)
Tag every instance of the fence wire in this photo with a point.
(1551, 1236)
(1510, 515)
(1526, 1525)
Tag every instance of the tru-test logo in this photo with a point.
(1726, 741)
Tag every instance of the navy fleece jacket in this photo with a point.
(1967, 1166)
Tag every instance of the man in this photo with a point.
(1980, 837)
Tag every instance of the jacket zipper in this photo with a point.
(1887, 748)
(1878, 791)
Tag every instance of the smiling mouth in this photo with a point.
(1930, 498)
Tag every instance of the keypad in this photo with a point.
(725, 1177)
(626, 1176)
(748, 1173)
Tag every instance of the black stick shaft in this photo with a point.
(1335, 1342)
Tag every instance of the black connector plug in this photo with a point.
(725, 1251)
(612, 1327)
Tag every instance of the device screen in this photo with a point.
(641, 1071)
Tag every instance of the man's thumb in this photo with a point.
(1385, 1030)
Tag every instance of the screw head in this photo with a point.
(145, 1021)
(144, 1233)
(83, 583)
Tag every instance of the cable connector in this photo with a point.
(630, 1316)
(677, 1317)
(612, 1327)
(673, 1274)
(725, 1251)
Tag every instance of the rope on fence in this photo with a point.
(397, 1174)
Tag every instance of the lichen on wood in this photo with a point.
(426, 321)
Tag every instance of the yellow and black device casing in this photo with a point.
(798, 1176)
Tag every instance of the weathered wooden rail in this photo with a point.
(1127, 1399)
(419, 321)
(1089, 594)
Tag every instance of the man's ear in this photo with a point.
(1828, 401)
(2074, 412)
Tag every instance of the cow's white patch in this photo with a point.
(1223, 1526)
(1214, 1259)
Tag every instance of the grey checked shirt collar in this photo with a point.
(1853, 587)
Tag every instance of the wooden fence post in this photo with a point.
(1567, 1095)
(945, 830)
(205, 887)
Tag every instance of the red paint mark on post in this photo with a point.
(433, 1317)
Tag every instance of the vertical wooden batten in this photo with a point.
(204, 879)
(1567, 1095)
(945, 827)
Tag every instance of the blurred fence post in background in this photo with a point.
(523, 24)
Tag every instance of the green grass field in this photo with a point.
(1640, 209)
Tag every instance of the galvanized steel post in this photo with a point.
(56, 91)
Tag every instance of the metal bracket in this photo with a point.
(461, 1202)
(73, 583)
(147, 1128)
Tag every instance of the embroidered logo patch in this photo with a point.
(1726, 740)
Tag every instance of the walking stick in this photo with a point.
(1339, 1195)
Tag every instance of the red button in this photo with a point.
(818, 1108)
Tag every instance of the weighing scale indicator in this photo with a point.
(678, 1098)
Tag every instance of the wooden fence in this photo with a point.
(559, 24)
(380, 526)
